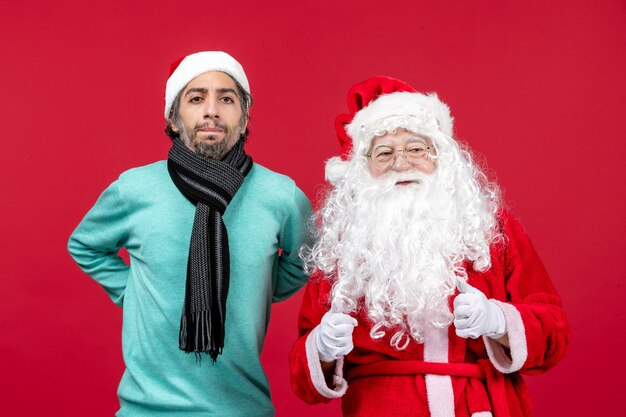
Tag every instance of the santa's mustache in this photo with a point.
(390, 179)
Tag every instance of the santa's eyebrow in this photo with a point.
(382, 145)
(417, 139)
(410, 139)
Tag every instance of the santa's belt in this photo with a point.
(488, 397)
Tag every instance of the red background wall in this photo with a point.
(536, 88)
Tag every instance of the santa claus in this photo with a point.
(427, 297)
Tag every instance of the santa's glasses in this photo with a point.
(415, 153)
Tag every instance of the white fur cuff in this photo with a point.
(517, 341)
(315, 369)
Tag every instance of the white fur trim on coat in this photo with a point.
(517, 342)
(438, 387)
(315, 369)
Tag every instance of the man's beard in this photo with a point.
(207, 149)
(394, 250)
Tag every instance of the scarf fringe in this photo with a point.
(195, 335)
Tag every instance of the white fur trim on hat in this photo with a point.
(413, 111)
(195, 64)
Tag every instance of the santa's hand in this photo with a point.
(475, 315)
(334, 336)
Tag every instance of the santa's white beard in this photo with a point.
(394, 250)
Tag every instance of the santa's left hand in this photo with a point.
(475, 315)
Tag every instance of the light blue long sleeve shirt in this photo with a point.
(144, 212)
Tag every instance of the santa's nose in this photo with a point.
(400, 162)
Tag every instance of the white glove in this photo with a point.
(334, 336)
(475, 315)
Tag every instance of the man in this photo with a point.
(204, 230)
(428, 297)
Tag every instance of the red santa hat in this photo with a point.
(383, 104)
(186, 69)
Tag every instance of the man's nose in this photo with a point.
(211, 109)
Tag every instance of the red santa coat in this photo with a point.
(446, 375)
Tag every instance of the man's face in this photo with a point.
(399, 152)
(210, 116)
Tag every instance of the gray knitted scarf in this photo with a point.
(210, 185)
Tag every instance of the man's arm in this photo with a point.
(293, 234)
(95, 243)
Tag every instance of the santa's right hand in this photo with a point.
(334, 336)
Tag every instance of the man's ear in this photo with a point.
(173, 126)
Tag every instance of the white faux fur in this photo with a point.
(517, 342)
(438, 387)
(420, 113)
(432, 113)
(335, 169)
(315, 369)
(199, 63)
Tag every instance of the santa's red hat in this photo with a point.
(383, 104)
(186, 69)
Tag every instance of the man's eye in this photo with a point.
(195, 99)
(228, 100)
(384, 154)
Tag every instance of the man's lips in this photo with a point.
(211, 130)
(407, 182)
